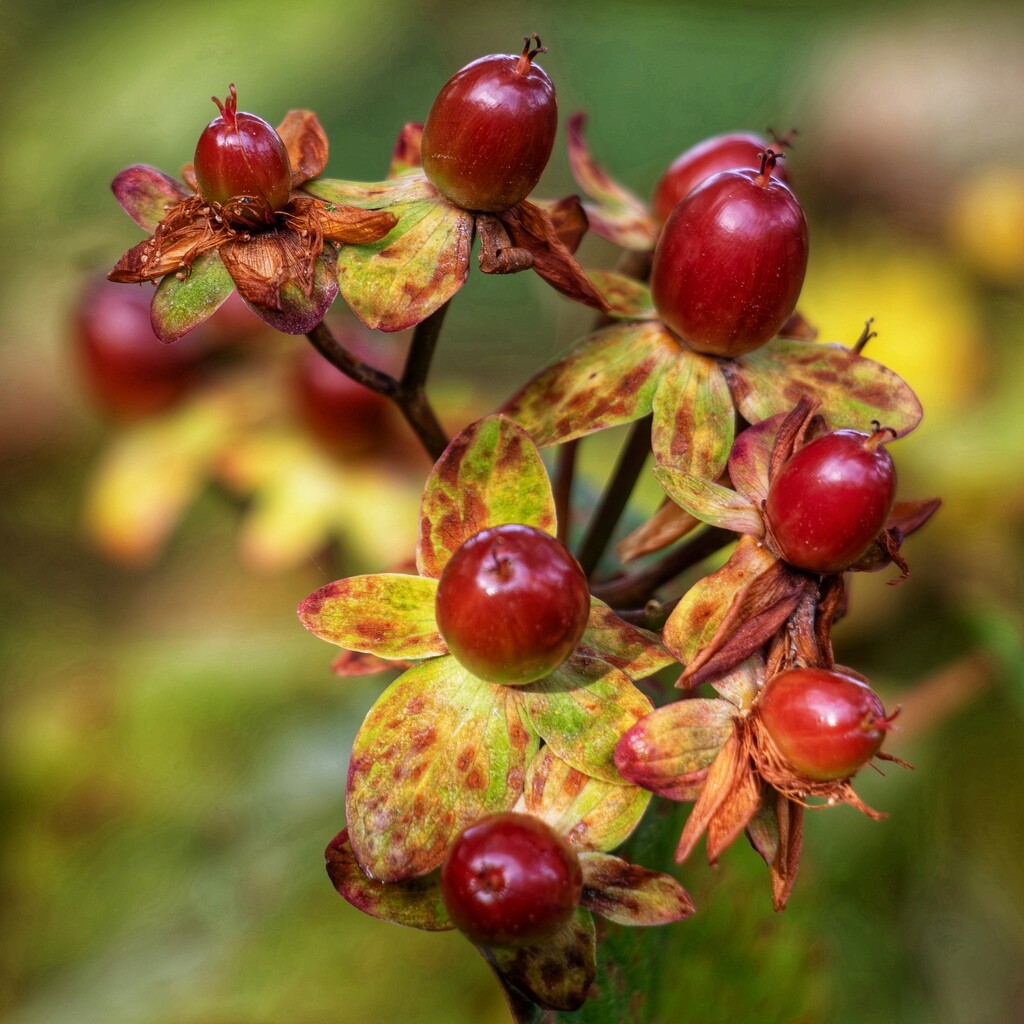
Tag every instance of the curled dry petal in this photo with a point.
(306, 142)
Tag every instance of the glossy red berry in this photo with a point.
(490, 131)
(242, 163)
(826, 725)
(128, 370)
(512, 604)
(730, 262)
(509, 880)
(831, 499)
(729, 152)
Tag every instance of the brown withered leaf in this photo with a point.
(497, 253)
(790, 816)
(155, 257)
(350, 225)
(904, 519)
(569, 219)
(631, 895)
(733, 815)
(407, 154)
(666, 526)
(306, 142)
(530, 227)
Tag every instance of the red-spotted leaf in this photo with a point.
(490, 474)
(608, 378)
(407, 154)
(695, 619)
(399, 280)
(853, 391)
(438, 750)
(637, 652)
(631, 895)
(694, 417)
(414, 902)
(183, 303)
(389, 615)
(669, 750)
(581, 710)
(627, 298)
(750, 459)
(616, 213)
(556, 973)
(590, 813)
(712, 503)
(146, 194)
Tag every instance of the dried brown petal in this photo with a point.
(306, 142)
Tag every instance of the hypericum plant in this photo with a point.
(520, 742)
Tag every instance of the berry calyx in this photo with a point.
(729, 152)
(831, 499)
(509, 880)
(490, 131)
(512, 604)
(730, 262)
(241, 164)
(824, 724)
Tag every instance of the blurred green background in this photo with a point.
(174, 745)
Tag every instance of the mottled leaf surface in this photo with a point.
(145, 194)
(712, 503)
(490, 474)
(669, 750)
(608, 378)
(389, 614)
(694, 417)
(853, 390)
(590, 813)
(399, 280)
(181, 304)
(627, 298)
(631, 895)
(750, 459)
(637, 652)
(438, 750)
(581, 710)
(414, 902)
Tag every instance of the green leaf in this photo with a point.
(669, 750)
(438, 750)
(558, 972)
(389, 614)
(694, 418)
(396, 282)
(712, 503)
(631, 895)
(695, 619)
(617, 214)
(608, 378)
(489, 475)
(180, 305)
(628, 298)
(581, 710)
(146, 194)
(590, 813)
(853, 391)
(414, 902)
(637, 652)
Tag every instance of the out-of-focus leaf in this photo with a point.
(415, 902)
(396, 282)
(627, 298)
(389, 615)
(438, 750)
(635, 651)
(407, 154)
(183, 303)
(712, 503)
(631, 895)
(666, 526)
(490, 474)
(608, 378)
(146, 194)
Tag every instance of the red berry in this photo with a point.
(490, 131)
(730, 262)
(129, 371)
(831, 499)
(509, 880)
(512, 604)
(240, 157)
(826, 725)
(730, 152)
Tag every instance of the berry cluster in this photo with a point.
(514, 750)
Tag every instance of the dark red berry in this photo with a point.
(512, 604)
(509, 880)
(826, 725)
(242, 163)
(490, 131)
(346, 417)
(730, 262)
(730, 152)
(831, 499)
(128, 370)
